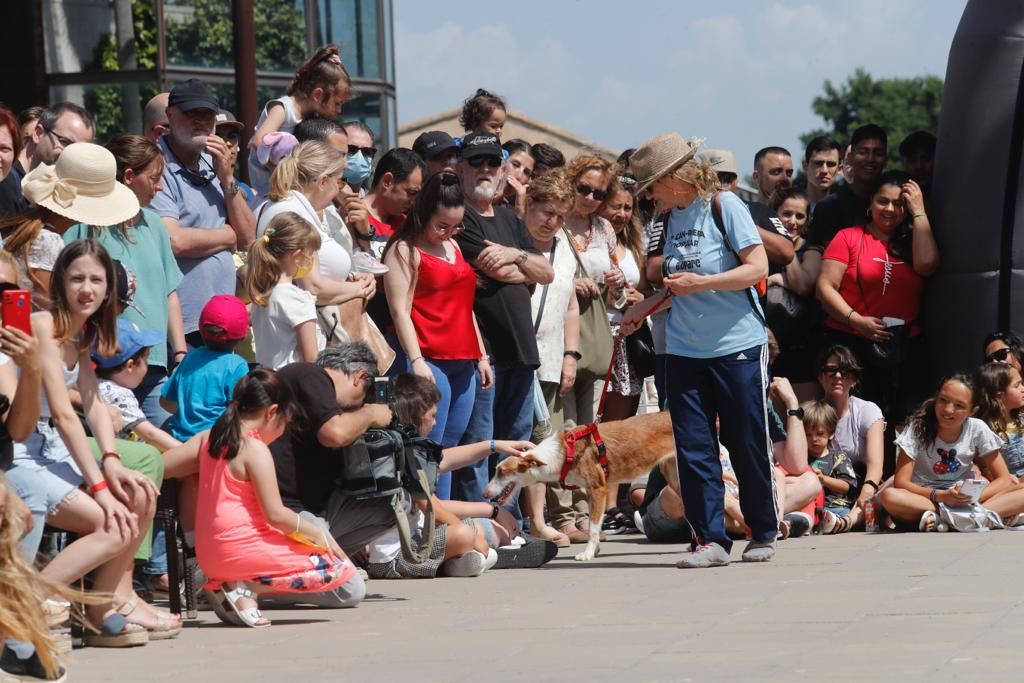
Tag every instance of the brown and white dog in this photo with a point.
(632, 447)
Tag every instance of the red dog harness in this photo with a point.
(570, 452)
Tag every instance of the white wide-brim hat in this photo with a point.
(658, 156)
(82, 186)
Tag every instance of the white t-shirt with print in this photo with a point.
(942, 464)
(273, 325)
(124, 400)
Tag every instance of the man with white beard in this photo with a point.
(206, 215)
(495, 241)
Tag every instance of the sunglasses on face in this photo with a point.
(830, 370)
(998, 356)
(586, 191)
(477, 162)
(368, 152)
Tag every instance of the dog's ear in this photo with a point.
(528, 462)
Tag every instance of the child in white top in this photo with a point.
(284, 322)
(937, 450)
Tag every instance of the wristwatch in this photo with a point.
(233, 188)
(495, 509)
(368, 236)
(574, 354)
(795, 412)
(523, 258)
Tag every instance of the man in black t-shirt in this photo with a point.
(308, 458)
(773, 172)
(848, 206)
(496, 243)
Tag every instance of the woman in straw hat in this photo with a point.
(80, 188)
(717, 365)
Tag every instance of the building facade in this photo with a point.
(113, 55)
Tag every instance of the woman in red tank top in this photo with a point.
(430, 290)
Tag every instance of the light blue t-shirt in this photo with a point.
(712, 323)
(202, 386)
(195, 198)
(146, 251)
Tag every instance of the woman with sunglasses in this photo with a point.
(1004, 347)
(430, 291)
(860, 432)
(716, 346)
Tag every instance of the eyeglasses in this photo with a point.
(63, 141)
(998, 356)
(368, 152)
(842, 371)
(450, 230)
(586, 191)
(477, 162)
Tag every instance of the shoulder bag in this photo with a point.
(886, 354)
(596, 343)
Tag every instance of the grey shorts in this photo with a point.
(660, 528)
(356, 523)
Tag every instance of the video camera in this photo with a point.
(381, 392)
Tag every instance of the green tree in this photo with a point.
(899, 105)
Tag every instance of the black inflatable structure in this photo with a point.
(977, 202)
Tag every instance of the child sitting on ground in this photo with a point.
(834, 469)
(1000, 400)
(937, 450)
(199, 390)
(121, 373)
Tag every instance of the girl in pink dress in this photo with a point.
(247, 541)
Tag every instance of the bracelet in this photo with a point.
(495, 509)
(492, 446)
(110, 454)
(180, 353)
(873, 484)
(484, 359)
(849, 316)
(919, 215)
(933, 495)
(97, 487)
(298, 520)
(414, 360)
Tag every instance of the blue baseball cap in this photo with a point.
(130, 340)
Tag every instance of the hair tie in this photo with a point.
(268, 233)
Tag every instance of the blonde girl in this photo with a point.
(320, 87)
(284, 324)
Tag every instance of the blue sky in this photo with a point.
(741, 75)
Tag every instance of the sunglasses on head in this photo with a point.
(998, 356)
(830, 370)
(368, 152)
(8, 287)
(477, 162)
(586, 190)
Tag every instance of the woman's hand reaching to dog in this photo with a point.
(512, 447)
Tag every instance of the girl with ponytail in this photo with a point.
(247, 541)
(320, 87)
(284, 324)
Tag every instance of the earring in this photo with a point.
(869, 213)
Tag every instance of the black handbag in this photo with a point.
(887, 354)
(640, 351)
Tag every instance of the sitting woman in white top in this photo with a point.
(284, 323)
(306, 182)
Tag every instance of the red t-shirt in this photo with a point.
(442, 308)
(891, 286)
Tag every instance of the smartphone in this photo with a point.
(16, 309)
(973, 488)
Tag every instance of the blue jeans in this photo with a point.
(456, 380)
(148, 395)
(733, 389)
(503, 412)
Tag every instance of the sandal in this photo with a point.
(831, 523)
(246, 616)
(166, 625)
(552, 534)
(57, 612)
(936, 523)
(117, 631)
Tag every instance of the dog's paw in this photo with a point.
(587, 554)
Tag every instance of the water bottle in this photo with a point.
(870, 516)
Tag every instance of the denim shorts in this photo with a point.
(44, 473)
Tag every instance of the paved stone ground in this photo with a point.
(907, 607)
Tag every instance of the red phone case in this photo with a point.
(17, 309)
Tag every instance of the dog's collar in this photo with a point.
(570, 452)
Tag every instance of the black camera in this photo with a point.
(381, 391)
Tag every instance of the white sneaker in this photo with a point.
(470, 564)
(364, 263)
(638, 521)
(492, 559)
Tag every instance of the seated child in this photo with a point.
(199, 389)
(121, 373)
(247, 541)
(833, 468)
(937, 450)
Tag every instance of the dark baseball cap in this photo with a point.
(481, 145)
(228, 120)
(192, 94)
(432, 143)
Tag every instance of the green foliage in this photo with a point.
(202, 36)
(899, 105)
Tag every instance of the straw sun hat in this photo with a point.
(658, 156)
(82, 186)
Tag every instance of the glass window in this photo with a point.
(78, 36)
(110, 104)
(352, 24)
(200, 33)
(365, 107)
